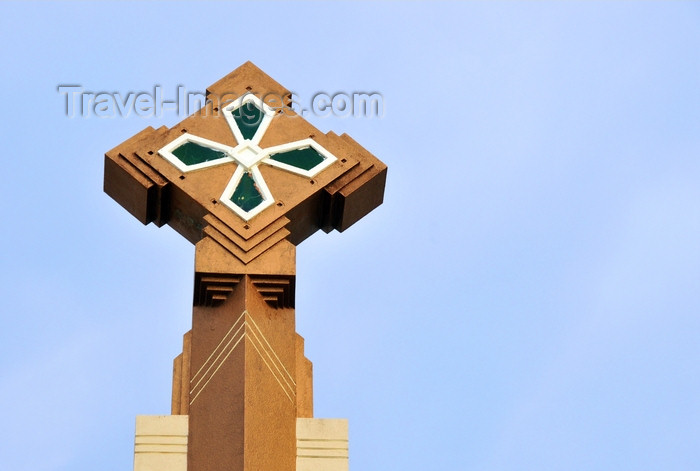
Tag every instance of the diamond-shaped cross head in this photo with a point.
(245, 170)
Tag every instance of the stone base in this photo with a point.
(322, 445)
(161, 444)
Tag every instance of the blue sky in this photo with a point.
(527, 298)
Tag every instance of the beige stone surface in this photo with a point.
(322, 444)
(161, 443)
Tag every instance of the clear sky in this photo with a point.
(526, 299)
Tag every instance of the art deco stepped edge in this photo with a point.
(245, 180)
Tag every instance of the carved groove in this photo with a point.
(277, 291)
(213, 290)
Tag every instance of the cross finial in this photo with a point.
(245, 179)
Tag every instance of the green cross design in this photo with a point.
(247, 193)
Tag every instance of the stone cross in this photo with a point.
(245, 180)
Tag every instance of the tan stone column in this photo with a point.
(243, 387)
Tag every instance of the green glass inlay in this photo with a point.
(247, 195)
(248, 118)
(305, 159)
(191, 153)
